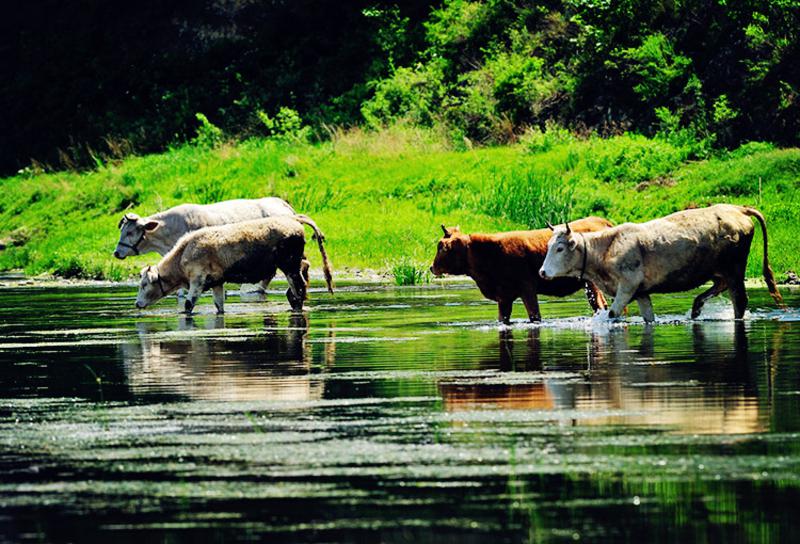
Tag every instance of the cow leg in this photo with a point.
(622, 298)
(195, 290)
(739, 298)
(646, 308)
(504, 310)
(531, 301)
(595, 297)
(718, 287)
(219, 298)
(264, 284)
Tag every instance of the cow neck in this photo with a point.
(164, 284)
(592, 243)
(168, 278)
(585, 254)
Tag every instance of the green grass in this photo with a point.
(380, 197)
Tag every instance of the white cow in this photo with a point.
(678, 252)
(161, 231)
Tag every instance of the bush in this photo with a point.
(408, 273)
(287, 125)
(633, 158)
(411, 94)
(208, 135)
(536, 140)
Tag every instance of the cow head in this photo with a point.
(132, 232)
(451, 253)
(151, 288)
(563, 257)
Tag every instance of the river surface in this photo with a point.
(395, 415)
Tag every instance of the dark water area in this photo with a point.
(395, 415)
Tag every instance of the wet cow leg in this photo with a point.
(718, 287)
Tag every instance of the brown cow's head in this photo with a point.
(132, 232)
(451, 253)
(563, 257)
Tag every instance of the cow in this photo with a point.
(161, 231)
(679, 252)
(249, 251)
(505, 266)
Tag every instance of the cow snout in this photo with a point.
(542, 274)
(117, 255)
(139, 305)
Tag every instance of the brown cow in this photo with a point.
(505, 266)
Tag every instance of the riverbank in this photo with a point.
(380, 197)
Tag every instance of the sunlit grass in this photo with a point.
(380, 196)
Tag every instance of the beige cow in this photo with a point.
(249, 251)
(678, 252)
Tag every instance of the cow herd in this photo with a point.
(247, 241)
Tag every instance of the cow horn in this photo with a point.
(569, 230)
(445, 231)
(550, 225)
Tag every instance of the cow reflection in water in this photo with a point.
(531, 396)
(708, 386)
(205, 360)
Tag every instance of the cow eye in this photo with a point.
(560, 249)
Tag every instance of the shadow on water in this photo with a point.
(393, 415)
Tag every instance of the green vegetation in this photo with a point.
(380, 197)
(715, 73)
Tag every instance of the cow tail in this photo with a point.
(769, 276)
(326, 265)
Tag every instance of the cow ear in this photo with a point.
(150, 226)
(445, 231)
(573, 243)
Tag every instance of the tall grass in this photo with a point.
(530, 199)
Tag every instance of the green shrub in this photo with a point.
(633, 158)
(411, 94)
(750, 148)
(655, 65)
(287, 124)
(536, 140)
(408, 273)
(208, 135)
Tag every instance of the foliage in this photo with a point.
(287, 124)
(480, 71)
(409, 273)
(208, 134)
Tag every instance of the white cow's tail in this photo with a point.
(769, 276)
(326, 265)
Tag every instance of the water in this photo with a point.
(395, 415)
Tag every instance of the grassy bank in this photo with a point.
(380, 197)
